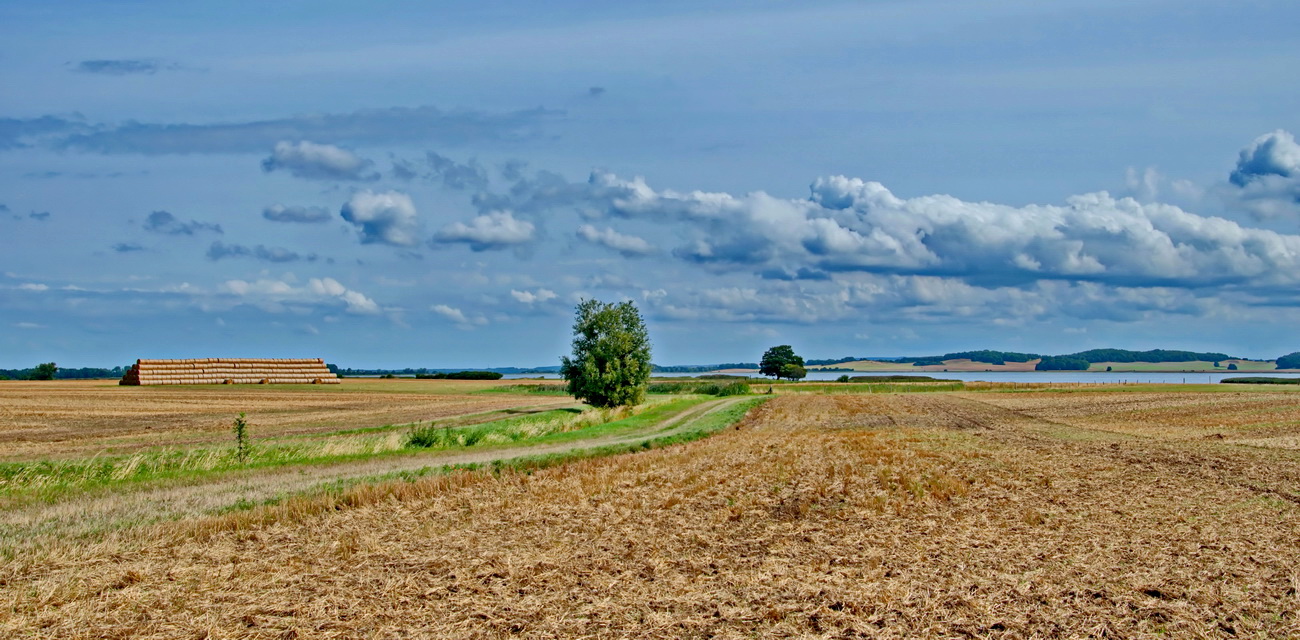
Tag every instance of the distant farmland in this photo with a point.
(1007, 511)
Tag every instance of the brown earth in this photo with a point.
(845, 516)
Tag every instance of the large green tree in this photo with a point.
(611, 355)
(1289, 361)
(781, 362)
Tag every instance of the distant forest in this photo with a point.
(84, 373)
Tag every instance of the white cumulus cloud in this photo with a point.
(385, 218)
(282, 295)
(1266, 180)
(459, 317)
(532, 297)
(312, 161)
(494, 230)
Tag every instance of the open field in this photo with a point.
(1142, 512)
(76, 417)
(129, 459)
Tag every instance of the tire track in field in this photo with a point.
(118, 510)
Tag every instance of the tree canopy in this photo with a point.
(780, 361)
(1289, 361)
(611, 355)
(1062, 363)
(45, 371)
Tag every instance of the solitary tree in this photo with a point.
(611, 355)
(44, 371)
(780, 361)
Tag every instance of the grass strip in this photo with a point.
(363, 490)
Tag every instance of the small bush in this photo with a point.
(429, 437)
(843, 378)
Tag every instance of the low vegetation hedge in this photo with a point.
(460, 375)
(737, 388)
(1261, 380)
(902, 378)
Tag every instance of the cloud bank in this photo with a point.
(390, 126)
(120, 67)
(219, 250)
(167, 224)
(302, 215)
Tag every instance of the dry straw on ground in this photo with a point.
(929, 515)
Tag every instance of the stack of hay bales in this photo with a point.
(230, 371)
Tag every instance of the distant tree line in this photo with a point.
(1062, 363)
(51, 371)
(986, 356)
(701, 368)
(1289, 361)
(460, 375)
(1154, 355)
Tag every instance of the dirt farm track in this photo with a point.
(1139, 512)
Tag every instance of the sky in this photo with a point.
(437, 184)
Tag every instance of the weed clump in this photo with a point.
(241, 439)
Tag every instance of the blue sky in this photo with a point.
(437, 184)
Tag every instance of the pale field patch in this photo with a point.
(1266, 418)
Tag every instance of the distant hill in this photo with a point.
(1094, 359)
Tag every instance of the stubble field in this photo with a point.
(1096, 513)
